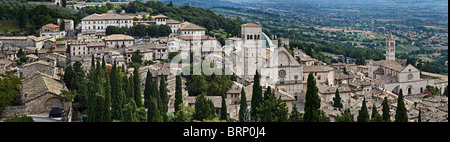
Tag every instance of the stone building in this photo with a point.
(392, 76)
(99, 22)
(52, 30)
(40, 93)
(118, 41)
(283, 72)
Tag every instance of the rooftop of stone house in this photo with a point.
(40, 84)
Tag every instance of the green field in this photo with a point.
(9, 26)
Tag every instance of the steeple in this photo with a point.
(390, 48)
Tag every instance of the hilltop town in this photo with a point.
(156, 49)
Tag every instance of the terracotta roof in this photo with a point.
(250, 25)
(5, 62)
(39, 85)
(203, 37)
(190, 26)
(119, 37)
(319, 68)
(13, 37)
(51, 25)
(361, 66)
(32, 56)
(107, 16)
(170, 21)
(160, 16)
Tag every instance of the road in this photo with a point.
(43, 117)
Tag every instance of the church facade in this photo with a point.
(392, 75)
(283, 72)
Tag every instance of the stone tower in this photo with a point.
(253, 49)
(390, 48)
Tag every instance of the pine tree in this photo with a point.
(223, 112)
(337, 100)
(137, 87)
(164, 97)
(363, 115)
(386, 110)
(243, 112)
(273, 109)
(312, 101)
(178, 93)
(401, 114)
(256, 96)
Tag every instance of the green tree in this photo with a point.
(337, 100)
(178, 93)
(243, 111)
(137, 57)
(107, 102)
(273, 109)
(148, 88)
(204, 108)
(184, 114)
(9, 89)
(131, 89)
(363, 114)
(21, 55)
(376, 117)
(346, 116)
(164, 97)
(296, 116)
(401, 114)
(137, 87)
(446, 91)
(223, 112)
(130, 114)
(110, 6)
(312, 101)
(153, 114)
(386, 110)
(117, 94)
(256, 96)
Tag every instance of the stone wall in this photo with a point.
(11, 110)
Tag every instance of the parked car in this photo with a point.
(56, 112)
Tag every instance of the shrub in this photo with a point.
(22, 118)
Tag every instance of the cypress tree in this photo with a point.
(178, 93)
(164, 97)
(153, 114)
(243, 112)
(223, 112)
(312, 101)
(69, 75)
(337, 100)
(374, 112)
(148, 88)
(363, 115)
(130, 113)
(386, 110)
(401, 114)
(117, 94)
(131, 89)
(204, 108)
(256, 96)
(107, 102)
(137, 87)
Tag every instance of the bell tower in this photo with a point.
(390, 48)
